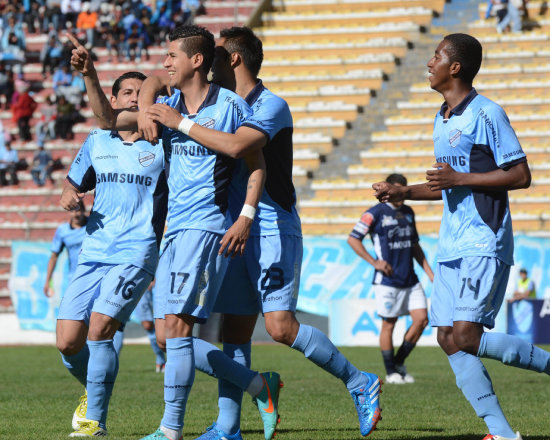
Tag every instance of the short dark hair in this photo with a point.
(196, 39)
(127, 75)
(243, 41)
(522, 270)
(397, 178)
(467, 51)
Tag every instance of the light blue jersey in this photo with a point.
(276, 213)
(477, 138)
(70, 238)
(198, 178)
(127, 218)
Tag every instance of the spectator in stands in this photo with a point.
(32, 17)
(66, 118)
(22, 110)
(162, 23)
(70, 10)
(50, 55)
(135, 41)
(6, 85)
(525, 289)
(106, 29)
(45, 128)
(74, 92)
(16, 28)
(8, 165)
(512, 17)
(12, 54)
(62, 76)
(52, 15)
(86, 22)
(42, 164)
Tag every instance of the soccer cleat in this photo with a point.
(367, 403)
(267, 402)
(159, 368)
(499, 437)
(80, 411)
(402, 370)
(395, 379)
(89, 428)
(213, 433)
(158, 435)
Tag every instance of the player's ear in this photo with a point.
(235, 59)
(455, 68)
(197, 60)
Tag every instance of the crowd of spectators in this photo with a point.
(126, 28)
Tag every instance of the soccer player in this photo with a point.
(119, 254)
(478, 159)
(396, 287)
(267, 276)
(68, 235)
(192, 266)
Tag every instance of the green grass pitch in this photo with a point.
(38, 397)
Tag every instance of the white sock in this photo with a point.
(172, 434)
(256, 385)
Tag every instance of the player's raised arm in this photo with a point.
(234, 240)
(237, 145)
(443, 176)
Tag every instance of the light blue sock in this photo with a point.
(179, 375)
(102, 372)
(118, 339)
(211, 360)
(77, 364)
(159, 354)
(511, 350)
(231, 396)
(474, 381)
(322, 352)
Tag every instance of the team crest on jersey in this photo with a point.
(206, 122)
(146, 158)
(388, 220)
(454, 137)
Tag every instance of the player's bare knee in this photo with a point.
(465, 342)
(69, 347)
(281, 334)
(445, 339)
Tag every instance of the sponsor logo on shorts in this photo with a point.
(466, 309)
(114, 304)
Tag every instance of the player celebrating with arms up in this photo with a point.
(478, 160)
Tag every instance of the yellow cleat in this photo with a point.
(80, 411)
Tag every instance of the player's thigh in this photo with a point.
(274, 263)
(237, 295)
(480, 289)
(391, 302)
(81, 293)
(446, 276)
(191, 274)
(416, 300)
(121, 289)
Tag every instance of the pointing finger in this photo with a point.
(73, 40)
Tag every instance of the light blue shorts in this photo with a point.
(266, 278)
(110, 289)
(144, 308)
(468, 289)
(189, 275)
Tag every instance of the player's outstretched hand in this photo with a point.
(70, 198)
(386, 192)
(80, 58)
(234, 240)
(443, 176)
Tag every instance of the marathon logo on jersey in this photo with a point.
(454, 137)
(237, 109)
(124, 178)
(388, 220)
(146, 158)
(206, 122)
(490, 126)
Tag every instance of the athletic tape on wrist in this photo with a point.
(249, 211)
(185, 125)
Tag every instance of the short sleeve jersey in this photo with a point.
(276, 212)
(67, 237)
(477, 138)
(393, 233)
(198, 178)
(129, 211)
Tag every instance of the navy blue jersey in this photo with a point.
(477, 138)
(67, 237)
(129, 211)
(198, 177)
(276, 212)
(393, 233)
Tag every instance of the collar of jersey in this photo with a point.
(459, 109)
(255, 93)
(211, 99)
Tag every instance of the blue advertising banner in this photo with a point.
(530, 320)
(34, 309)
